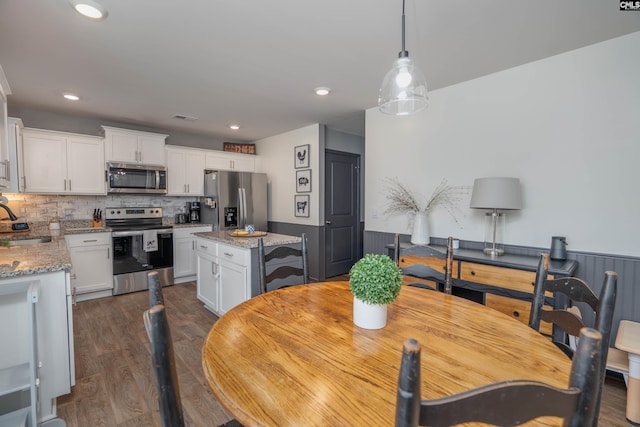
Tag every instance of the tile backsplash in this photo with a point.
(54, 208)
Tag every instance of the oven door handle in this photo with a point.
(139, 232)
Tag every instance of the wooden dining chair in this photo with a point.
(276, 261)
(506, 403)
(162, 356)
(164, 367)
(155, 289)
(424, 266)
(567, 320)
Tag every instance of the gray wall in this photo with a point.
(91, 126)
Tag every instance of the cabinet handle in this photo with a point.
(228, 254)
(69, 185)
(516, 313)
(24, 182)
(89, 241)
(204, 247)
(65, 185)
(193, 245)
(108, 254)
(73, 295)
(188, 188)
(473, 273)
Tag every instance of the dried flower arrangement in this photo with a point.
(402, 201)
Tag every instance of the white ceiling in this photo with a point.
(256, 62)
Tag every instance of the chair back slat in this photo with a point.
(568, 321)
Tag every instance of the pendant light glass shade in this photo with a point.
(404, 89)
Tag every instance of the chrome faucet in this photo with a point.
(11, 214)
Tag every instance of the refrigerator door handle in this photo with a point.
(244, 207)
(240, 209)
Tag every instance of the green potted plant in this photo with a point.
(375, 281)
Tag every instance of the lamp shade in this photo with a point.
(404, 89)
(496, 193)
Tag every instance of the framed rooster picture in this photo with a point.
(301, 156)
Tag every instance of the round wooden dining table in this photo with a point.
(293, 357)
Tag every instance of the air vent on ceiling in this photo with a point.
(187, 118)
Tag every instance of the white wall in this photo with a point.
(567, 126)
(275, 158)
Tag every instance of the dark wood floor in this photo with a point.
(115, 384)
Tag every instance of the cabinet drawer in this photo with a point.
(207, 247)
(88, 239)
(233, 254)
(508, 278)
(517, 309)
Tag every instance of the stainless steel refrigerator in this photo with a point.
(234, 199)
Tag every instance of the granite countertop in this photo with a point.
(37, 258)
(270, 239)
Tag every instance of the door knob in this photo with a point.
(328, 222)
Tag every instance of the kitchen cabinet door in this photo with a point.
(185, 172)
(207, 287)
(44, 162)
(132, 146)
(91, 264)
(13, 184)
(233, 286)
(220, 160)
(85, 166)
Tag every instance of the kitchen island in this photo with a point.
(228, 267)
(38, 257)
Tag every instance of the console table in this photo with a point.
(504, 283)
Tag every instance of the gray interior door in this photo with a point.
(342, 215)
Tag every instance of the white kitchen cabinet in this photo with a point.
(185, 171)
(222, 160)
(91, 265)
(62, 163)
(224, 273)
(185, 260)
(132, 146)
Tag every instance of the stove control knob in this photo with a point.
(118, 212)
(112, 212)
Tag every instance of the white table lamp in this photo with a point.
(495, 194)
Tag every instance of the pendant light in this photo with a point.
(404, 88)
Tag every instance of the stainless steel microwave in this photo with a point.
(136, 179)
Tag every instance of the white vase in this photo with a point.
(420, 235)
(369, 316)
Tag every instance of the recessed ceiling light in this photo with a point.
(322, 91)
(71, 97)
(234, 127)
(90, 9)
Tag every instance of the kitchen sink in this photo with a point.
(22, 242)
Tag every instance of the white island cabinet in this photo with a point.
(223, 275)
(228, 267)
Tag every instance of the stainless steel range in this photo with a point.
(140, 244)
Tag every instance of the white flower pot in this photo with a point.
(369, 316)
(420, 235)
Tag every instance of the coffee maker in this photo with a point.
(194, 211)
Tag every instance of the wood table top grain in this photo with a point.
(293, 357)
